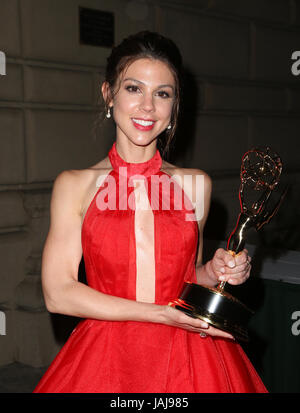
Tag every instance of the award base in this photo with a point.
(215, 306)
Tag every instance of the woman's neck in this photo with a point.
(131, 152)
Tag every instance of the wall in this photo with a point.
(240, 92)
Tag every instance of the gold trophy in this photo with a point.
(260, 174)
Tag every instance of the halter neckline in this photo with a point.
(147, 168)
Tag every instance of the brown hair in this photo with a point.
(152, 45)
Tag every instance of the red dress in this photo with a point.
(143, 357)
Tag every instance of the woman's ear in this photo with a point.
(106, 93)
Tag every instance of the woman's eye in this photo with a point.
(132, 88)
(163, 94)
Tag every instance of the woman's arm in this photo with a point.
(223, 266)
(205, 274)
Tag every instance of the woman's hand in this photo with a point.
(233, 269)
(177, 318)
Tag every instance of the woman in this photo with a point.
(138, 248)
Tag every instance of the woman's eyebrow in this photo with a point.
(142, 83)
(134, 80)
(166, 85)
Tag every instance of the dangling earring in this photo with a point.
(169, 127)
(108, 115)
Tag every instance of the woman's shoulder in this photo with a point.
(184, 173)
(77, 185)
(83, 176)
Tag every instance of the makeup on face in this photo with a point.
(144, 101)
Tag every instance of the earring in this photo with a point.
(169, 127)
(108, 115)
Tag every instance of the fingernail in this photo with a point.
(231, 264)
(221, 278)
(204, 325)
(222, 270)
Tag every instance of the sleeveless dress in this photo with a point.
(127, 245)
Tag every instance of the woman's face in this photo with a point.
(143, 105)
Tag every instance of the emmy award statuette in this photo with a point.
(260, 174)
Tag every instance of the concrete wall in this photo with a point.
(240, 92)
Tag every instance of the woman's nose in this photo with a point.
(147, 103)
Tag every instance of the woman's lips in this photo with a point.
(143, 124)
